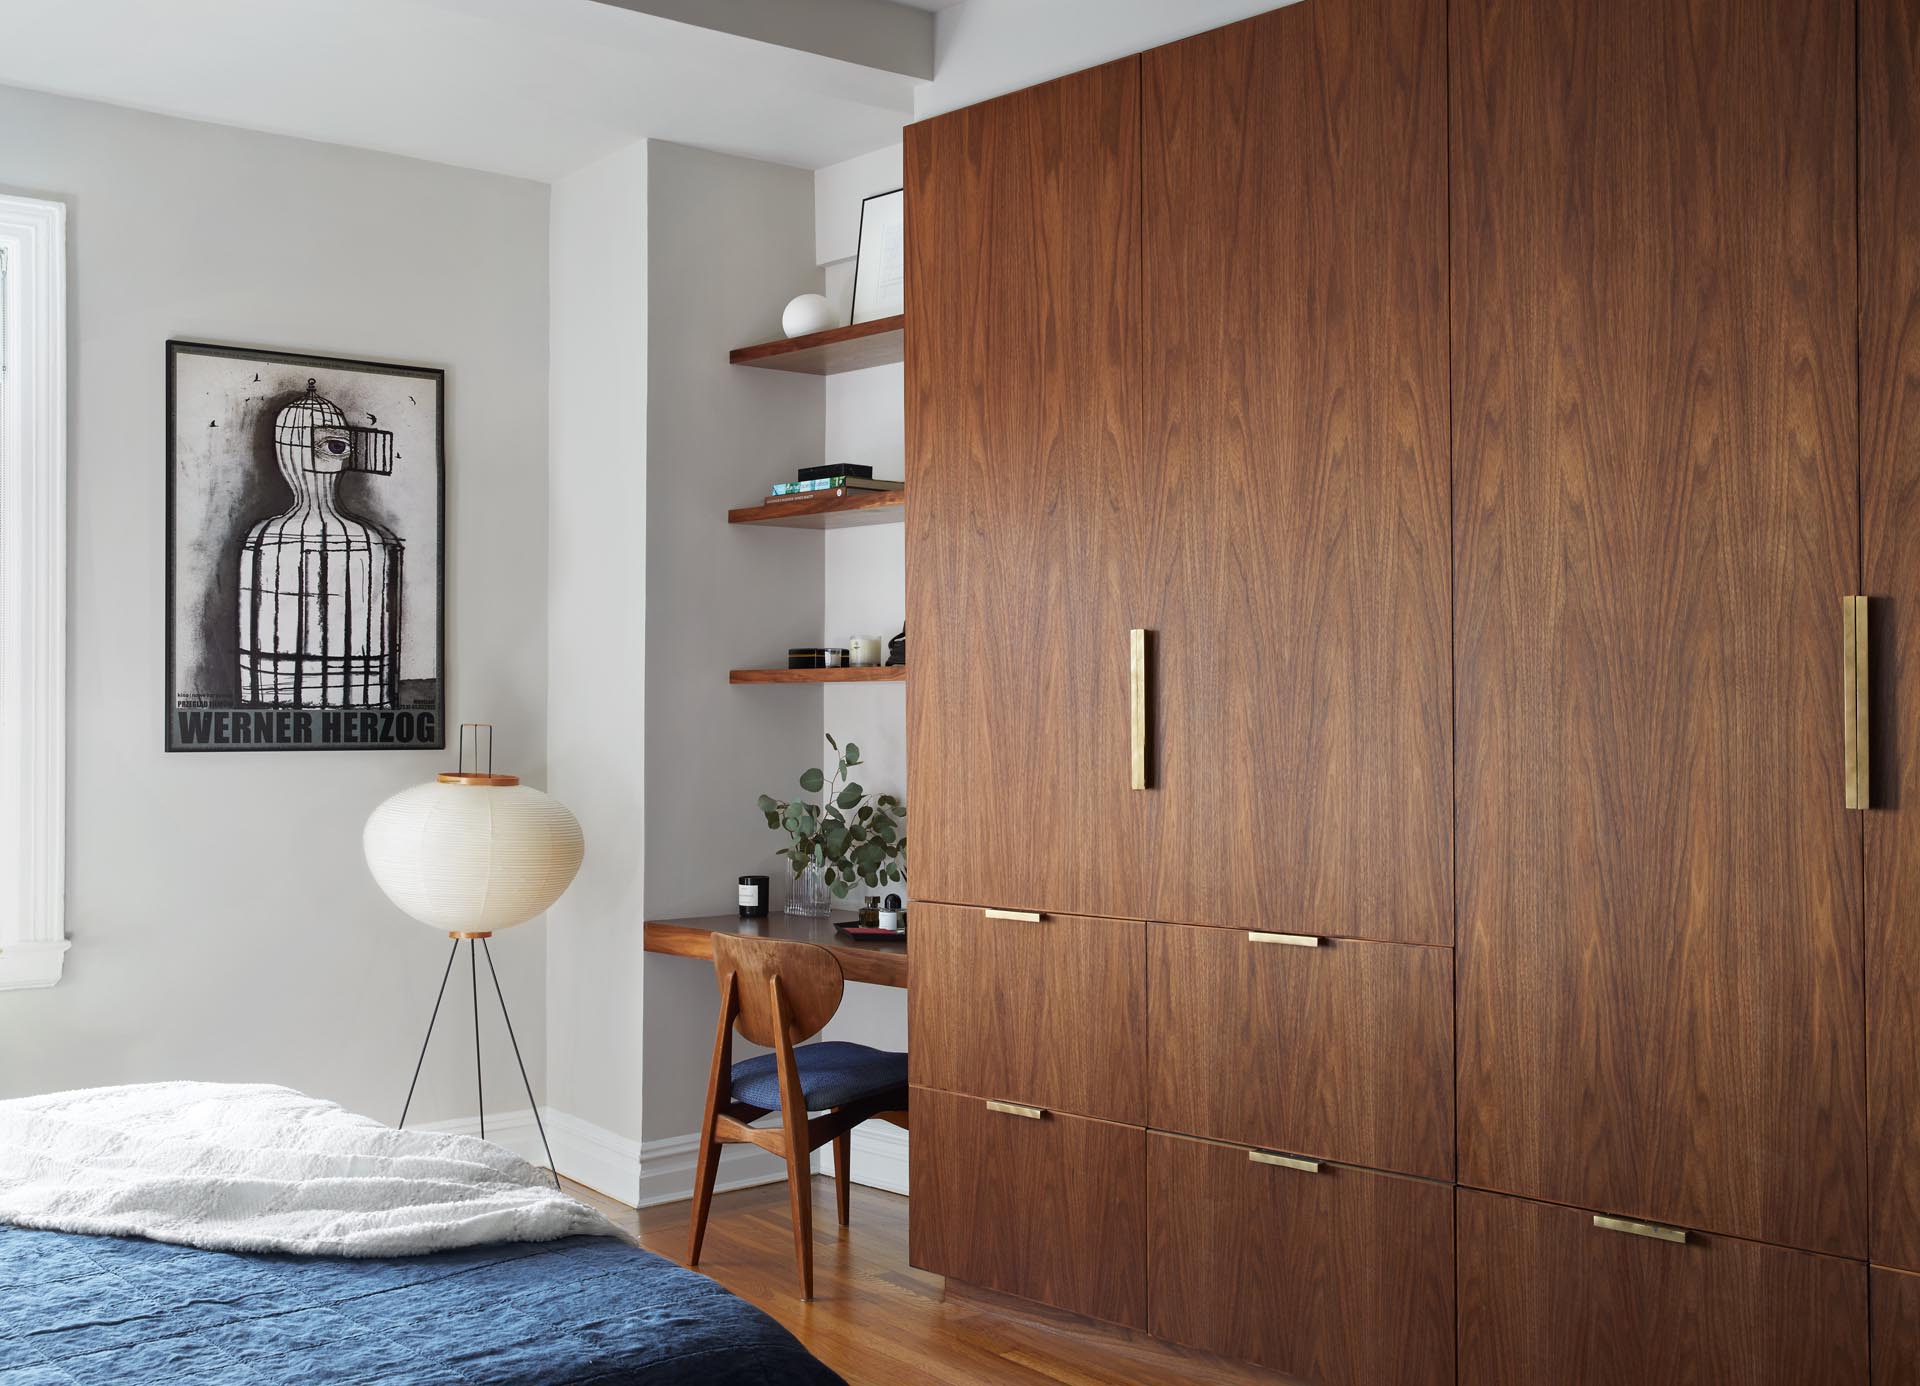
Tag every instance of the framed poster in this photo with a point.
(880, 263)
(306, 553)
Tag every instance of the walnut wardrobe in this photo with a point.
(1414, 882)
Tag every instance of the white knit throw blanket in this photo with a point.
(251, 1167)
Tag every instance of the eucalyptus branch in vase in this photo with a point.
(845, 838)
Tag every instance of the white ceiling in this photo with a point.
(536, 88)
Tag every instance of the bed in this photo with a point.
(80, 1310)
(92, 1307)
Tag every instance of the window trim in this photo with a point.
(33, 590)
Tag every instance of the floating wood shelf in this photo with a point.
(835, 509)
(885, 673)
(881, 342)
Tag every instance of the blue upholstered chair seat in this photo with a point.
(832, 1074)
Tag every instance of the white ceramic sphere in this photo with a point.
(809, 313)
(473, 858)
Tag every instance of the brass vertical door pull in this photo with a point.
(1640, 1229)
(1268, 1157)
(1137, 706)
(1854, 695)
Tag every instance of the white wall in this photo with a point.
(865, 594)
(223, 922)
(730, 241)
(597, 650)
(866, 575)
(986, 48)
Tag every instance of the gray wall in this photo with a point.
(729, 242)
(223, 922)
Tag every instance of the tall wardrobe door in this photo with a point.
(1024, 495)
(1890, 465)
(1295, 213)
(1656, 515)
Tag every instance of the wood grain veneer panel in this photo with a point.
(1342, 1051)
(1545, 1296)
(1048, 1013)
(1343, 1278)
(1890, 481)
(1052, 1210)
(1295, 251)
(1896, 1327)
(1655, 511)
(1025, 504)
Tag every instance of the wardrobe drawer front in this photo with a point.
(1547, 1295)
(1048, 1207)
(1335, 1047)
(1340, 1277)
(1048, 1010)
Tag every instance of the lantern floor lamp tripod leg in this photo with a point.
(479, 1085)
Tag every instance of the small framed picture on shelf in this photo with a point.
(880, 269)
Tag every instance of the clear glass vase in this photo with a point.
(810, 895)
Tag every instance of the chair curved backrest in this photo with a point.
(811, 985)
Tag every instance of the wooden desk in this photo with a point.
(881, 961)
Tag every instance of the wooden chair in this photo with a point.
(778, 995)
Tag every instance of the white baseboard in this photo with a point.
(660, 1171)
(515, 1130)
(667, 1167)
(879, 1157)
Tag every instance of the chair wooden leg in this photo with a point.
(795, 1135)
(719, 1093)
(843, 1172)
(800, 1194)
(704, 1174)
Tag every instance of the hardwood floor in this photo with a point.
(874, 1319)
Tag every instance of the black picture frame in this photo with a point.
(860, 253)
(419, 723)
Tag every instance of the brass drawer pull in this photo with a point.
(1019, 1109)
(1640, 1229)
(1856, 702)
(1297, 940)
(1017, 916)
(1137, 674)
(1267, 1157)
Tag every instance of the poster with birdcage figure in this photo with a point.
(306, 509)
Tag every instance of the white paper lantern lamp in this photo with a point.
(473, 853)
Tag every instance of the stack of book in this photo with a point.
(834, 479)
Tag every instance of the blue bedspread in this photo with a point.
(89, 1311)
